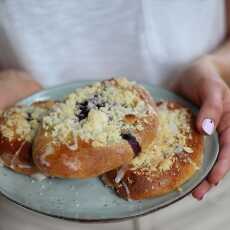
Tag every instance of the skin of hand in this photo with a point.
(15, 85)
(202, 84)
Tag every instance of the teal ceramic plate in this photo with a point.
(90, 200)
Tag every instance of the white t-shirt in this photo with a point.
(149, 41)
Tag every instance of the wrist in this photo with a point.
(16, 85)
(208, 67)
(219, 65)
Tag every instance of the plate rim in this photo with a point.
(106, 220)
(131, 216)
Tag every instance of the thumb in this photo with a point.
(211, 98)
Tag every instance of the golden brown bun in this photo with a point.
(140, 183)
(17, 155)
(55, 158)
(16, 152)
(86, 161)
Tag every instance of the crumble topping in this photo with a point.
(21, 122)
(96, 113)
(173, 132)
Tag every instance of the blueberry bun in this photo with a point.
(173, 158)
(95, 129)
(18, 126)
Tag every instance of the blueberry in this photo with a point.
(132, 142)
(100, 105)
(29, 117)
(84, 110)
(97, 101)
(85, 106)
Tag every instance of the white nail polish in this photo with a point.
(208, 126)
(204, 196)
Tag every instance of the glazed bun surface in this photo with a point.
(95, 129)
(18, 126)
(173, 158)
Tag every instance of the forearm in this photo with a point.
(221, 56)
(221, 59)
(15, 85)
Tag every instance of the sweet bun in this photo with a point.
(174, 156)
(18, 126)
(95, 129)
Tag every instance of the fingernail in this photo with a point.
(208, 126)
(202, 197)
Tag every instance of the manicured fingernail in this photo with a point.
(202, 197)
(208, 126)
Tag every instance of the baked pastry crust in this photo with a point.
(162, 174)
(18, 126)
(96, 129)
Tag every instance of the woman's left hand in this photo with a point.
(202, 84)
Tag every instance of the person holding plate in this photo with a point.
(183, 45)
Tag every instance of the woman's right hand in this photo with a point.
(15, 85)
